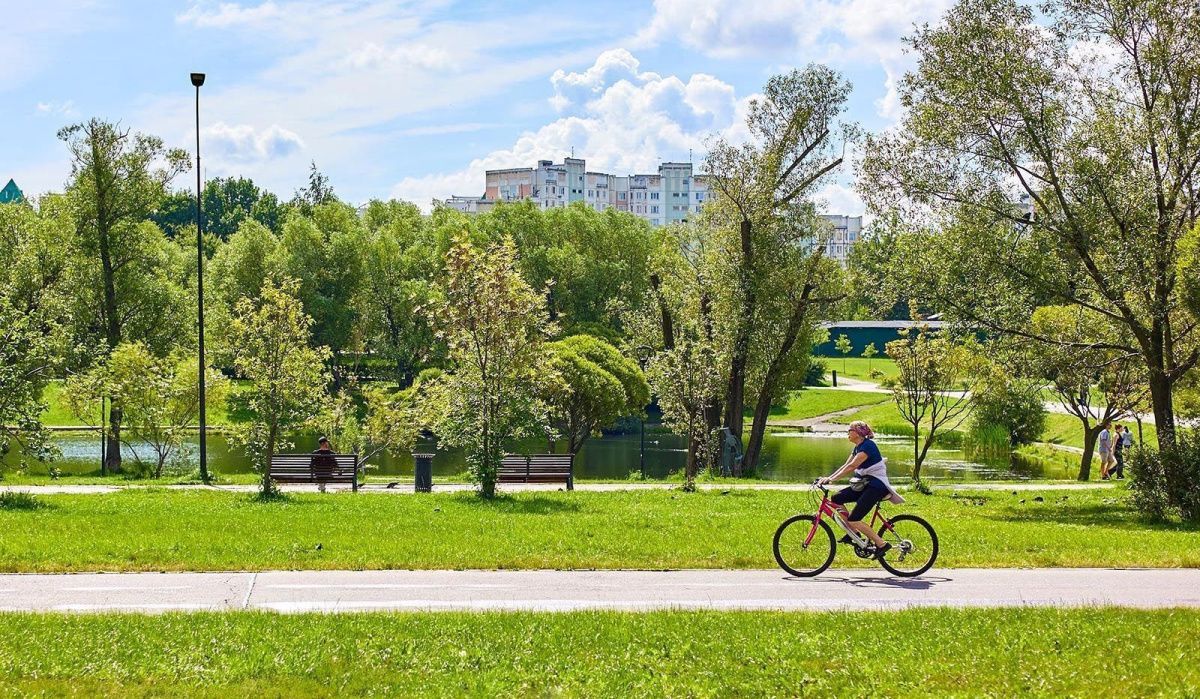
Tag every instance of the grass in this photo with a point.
(913, 653)
(1068, 430)
(149, 529)
(859, 368)
(812, 402)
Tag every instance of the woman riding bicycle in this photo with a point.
(869, 465)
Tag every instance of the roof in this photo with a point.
(883, 323)
(11, 194)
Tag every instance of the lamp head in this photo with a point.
(197, 79)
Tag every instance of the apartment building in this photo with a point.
(847, 230)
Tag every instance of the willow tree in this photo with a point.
(763, 190)
(1059, 163)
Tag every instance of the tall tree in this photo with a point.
(494, 324)
(1095, 121)
(117, 181)
(763, 186)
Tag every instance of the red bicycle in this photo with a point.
(804, 544)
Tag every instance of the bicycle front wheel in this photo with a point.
(804, 546)
(914, 545)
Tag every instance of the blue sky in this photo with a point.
(416, 99)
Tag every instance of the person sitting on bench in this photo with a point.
(323, 463)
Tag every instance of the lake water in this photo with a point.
(787, 456)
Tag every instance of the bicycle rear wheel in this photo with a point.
(798, 555)
(914, 545)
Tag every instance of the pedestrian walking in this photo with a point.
(1105, 446)
(1119, 449)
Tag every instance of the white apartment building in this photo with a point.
(670, 196)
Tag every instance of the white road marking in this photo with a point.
(393, 586)
(167, 606)
(126, 588)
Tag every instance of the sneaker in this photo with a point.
(846, 540)
(881, 552)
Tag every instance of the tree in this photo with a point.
(1096, 384)
(117, 182)
(868, 352)
(160, 397)
(287, 385)
(928, 390)
(228, 202)
(318, 191)
(685, 378)
(1094, 120)
(1007, 395)
(34, 337)
(761, 188)
(493, 323)
(843, 345)
(596, 385)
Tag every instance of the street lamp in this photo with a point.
(197, 81)
(643, 355)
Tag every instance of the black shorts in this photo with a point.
(864, 500)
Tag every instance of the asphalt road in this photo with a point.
(352, 591)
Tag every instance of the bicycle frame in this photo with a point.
(830, 509)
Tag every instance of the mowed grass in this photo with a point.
(149, 529)
(858, 368)
(915, 653)
(58, 414)
(812, 402)
(1068, 430)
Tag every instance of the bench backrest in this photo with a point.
(299, 468)
(537, 468)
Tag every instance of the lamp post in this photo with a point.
(643, 356)
(197, 81)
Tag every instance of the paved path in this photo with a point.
(406, 487)
(349, 591)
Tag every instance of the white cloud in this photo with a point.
(65, 109)
(622, 121)
(228, 14)
(841, 31)
(375, 56)
(245, 144)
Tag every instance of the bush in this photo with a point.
(12, 500)
(1018, 412)
(1167, 483)
(814, 374)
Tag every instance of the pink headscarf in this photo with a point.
(861, 429)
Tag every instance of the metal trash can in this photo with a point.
(423, 472)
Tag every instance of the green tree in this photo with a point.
(160, 397)
(843, 345)
(868, 352)
(762, 191)
(493, 323)
(228, 202)
(1007, 396)
(685, 378)
(597, 385)
(1092, 381)
(287, 381)
(318, 191)
(126, 274)
(34, 308)
(1093, 116)
(928, 390)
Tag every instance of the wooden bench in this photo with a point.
(538, 468)
(298, 468)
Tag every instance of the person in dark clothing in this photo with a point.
(323, 463)
(1119, 444)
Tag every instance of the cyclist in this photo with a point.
(870, 466)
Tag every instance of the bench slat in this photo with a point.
(537, 468)
(298, 468)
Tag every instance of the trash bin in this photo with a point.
(423, 472)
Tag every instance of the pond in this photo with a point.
(787, 456)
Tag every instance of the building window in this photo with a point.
(654, 195)
(654, 209)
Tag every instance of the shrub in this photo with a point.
(11, 500)
(1167, 483)
(814, 374)
(1012, 407)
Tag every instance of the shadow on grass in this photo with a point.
(1114, 515)
(519, 505)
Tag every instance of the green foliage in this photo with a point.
(493, 324)
(160, 398)
(287, 385)
(1165, 482)
(1005, 400)
(814, 372)
(17, 501)
(228, 202)
(595, 385)
(685, 378)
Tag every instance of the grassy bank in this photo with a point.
(859, 368)
(148, 529)
(58, 414)
(919, 653)
(812, 402)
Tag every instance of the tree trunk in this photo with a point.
(918, 457)
(112, 451)
(736, 389)
(668, 320)
(267, 486)
(1089, 448)
(1163, 407)
(758, 427)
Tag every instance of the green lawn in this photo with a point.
(1068, 430)
(57, 414)
(913, 653)
(812, 402)
(149, 529)
(859, 368)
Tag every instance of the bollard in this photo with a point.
(423, 472)
(835, 378)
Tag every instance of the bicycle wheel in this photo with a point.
(914, 545)
(798, 558)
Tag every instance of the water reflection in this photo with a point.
(787, 456)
